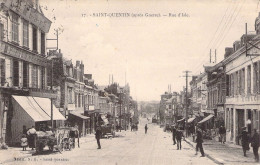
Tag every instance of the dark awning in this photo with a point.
(206, 119)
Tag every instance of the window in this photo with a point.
(35, 76)
(70, 95)
(249, 79)
(79, 100)
(25, 33)
(255, 78)
(227, 85)
(242, 82)
(1, 31)
(35, 38)
(42, 43)
(25, 75)
(15, 28)
(76, 103)
(2, 71)
(15, 72)
(43, 78)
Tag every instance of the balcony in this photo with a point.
(243, 99)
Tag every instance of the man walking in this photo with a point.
(145, 128)
(245, 140)
(174, 135)
(222, 133)
(98, 136)
(179, 135)
(255, 144)
(199, 142)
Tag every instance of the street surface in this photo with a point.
(134, 148)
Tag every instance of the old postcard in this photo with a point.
(129, 82)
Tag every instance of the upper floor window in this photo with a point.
(25, 74)
(15, 28)
(35, 76)
(2, 71)
(42, 43)
(25, 33)
(1, 31)
(35, 38)
(15, 72)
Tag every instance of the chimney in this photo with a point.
(228, 52)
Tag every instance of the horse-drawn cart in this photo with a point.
(62, 139)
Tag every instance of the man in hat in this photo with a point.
(174, 135)
(199, 142)
(255, 142)
(245, 140)
(98, 136)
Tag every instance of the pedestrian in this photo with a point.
(255, 142)
(98, 136)
(179, 136)
(145, 128)
(245, 140)
(31, 137)
(199, 141)
(24, 142)
(174, 135)
(222, 134)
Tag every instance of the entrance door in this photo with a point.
(240, 121)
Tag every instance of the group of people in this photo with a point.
(177, 136)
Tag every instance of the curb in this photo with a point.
(207, 155)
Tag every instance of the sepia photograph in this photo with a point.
(129, 82)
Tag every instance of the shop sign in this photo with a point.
(24, 9)
(13, 51)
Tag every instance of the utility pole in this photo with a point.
(186, 97)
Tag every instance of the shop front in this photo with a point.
(31, 111)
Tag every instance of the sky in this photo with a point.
(150, 53)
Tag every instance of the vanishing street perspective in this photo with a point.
(141, 82)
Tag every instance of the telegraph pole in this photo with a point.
(186, 97)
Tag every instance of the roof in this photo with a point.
(39, 109)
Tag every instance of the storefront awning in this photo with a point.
(39, 109)
(79, 114)
(206, 119)
(180, 120)
(191, 119)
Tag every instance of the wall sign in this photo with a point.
(16, 52)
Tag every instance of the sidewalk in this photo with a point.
(13, 153)
(224, 153)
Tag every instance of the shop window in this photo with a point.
(15, 28)
(25, 33)
(15, 72)
(25, 74)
